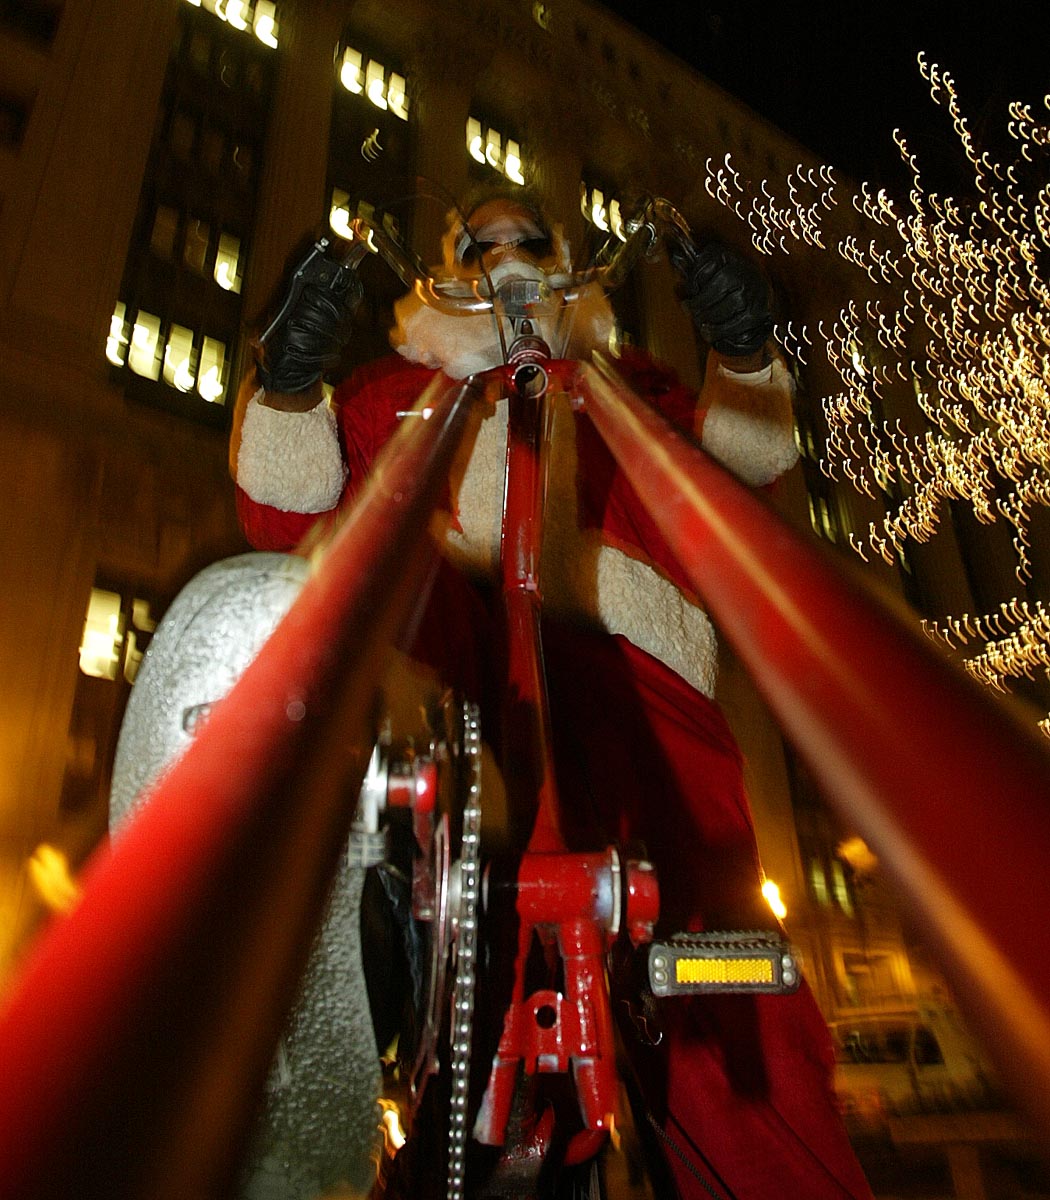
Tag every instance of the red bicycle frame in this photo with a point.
(574, 903)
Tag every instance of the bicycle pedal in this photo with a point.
(691, 964)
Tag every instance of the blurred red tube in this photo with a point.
(136, 1042)
(946, 785)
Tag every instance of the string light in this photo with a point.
(960, 312)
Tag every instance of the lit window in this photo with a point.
(512, 162)
(822, 517)
(236, 12)
(103, 635)
(804, 441)
(369, 78)
(141, 616)
(178, 358)
(604, 215)
(49, 869)
(375, 84)
(266, 23)
(107, 638)
(818, 881)
(227, 263)
(339, 213)
(494, 150)
(475, 145)
(842, 893)
(397, 97)
(211, 373)
(541, 14)
(183, 367)
(340, 216)
(142, 622)
(827, 520)
(485, 145)
(144, 348)
(117, 340)
(350, 75)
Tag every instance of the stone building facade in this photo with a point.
(159, 165)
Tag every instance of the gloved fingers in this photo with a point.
(726, 295)
(311, 339)
(726, 305)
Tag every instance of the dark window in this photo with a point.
(873, 1044)
(175, 337)
(34, 19)
(927, 1048)
(14, 116)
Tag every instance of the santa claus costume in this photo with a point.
(738, 1086)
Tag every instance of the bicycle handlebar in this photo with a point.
(458, 297)
(657, 219)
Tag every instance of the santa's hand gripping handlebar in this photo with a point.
(306, 337)
(725, 295)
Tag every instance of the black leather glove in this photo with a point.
(724, 293)
(308, 335)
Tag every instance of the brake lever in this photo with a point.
(318, 269)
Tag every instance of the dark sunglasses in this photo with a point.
(474, 251)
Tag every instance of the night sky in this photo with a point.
(840, 77)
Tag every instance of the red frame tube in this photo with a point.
(946, 785)
(557, 892)
(138, 1037)
(528, 760)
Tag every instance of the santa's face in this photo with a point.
(512, 254)
(502, 232)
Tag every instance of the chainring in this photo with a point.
(453, 938)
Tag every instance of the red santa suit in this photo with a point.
(741, 1085)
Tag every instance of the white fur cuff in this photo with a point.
(748, 427)
(291, 461)
(648, 610)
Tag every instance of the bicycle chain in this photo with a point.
(466, 955)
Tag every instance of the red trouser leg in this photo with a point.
(742, 1085)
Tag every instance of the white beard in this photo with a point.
(461, 345)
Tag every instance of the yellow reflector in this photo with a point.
(724, 970)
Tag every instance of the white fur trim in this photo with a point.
(581, 578)
(291, 461)
(462, 345)
(648, 610)
(748, 427)
(477, 498)
(458, 345)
